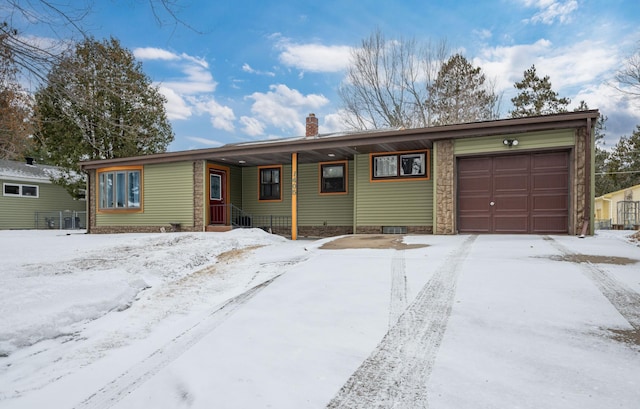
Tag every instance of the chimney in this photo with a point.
(312, 126)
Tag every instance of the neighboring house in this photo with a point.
(30, 200)
(524, 175)
(619, 209)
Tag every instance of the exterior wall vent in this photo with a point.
(394, 230)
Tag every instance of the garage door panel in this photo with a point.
(473, 184)
(550, 181)
(512, 163)
(513, 224)
(475, 165)
(477, 204)
(475, 224)
(511, 204)
(511, 183)
(549, 224)
(554, 160)
(558, 203)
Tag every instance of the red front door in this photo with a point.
(217, 196)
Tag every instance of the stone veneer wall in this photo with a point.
(580, 179)
(91, 198)
(444, 179)
(199, 223)
(324, 231)
(410, 229)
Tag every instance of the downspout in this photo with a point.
(294, 196)
(355, 193)
(586, 226)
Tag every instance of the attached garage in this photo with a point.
(515, 193)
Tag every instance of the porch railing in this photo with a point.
(239, 218)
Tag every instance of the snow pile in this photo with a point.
(48, 298)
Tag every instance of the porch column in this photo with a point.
(294, 196)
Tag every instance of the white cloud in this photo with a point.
(176, 106)
(551, 10)
(222, 117)
(284, 108)
(314, 57)
(152, 53)
(252, 126)
(205, 141)
(247, 68)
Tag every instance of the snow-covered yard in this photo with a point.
(245, 319)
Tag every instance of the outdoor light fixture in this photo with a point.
(510, 142)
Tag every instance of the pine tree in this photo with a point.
(536, 97)
(459, 94)
(98, 104)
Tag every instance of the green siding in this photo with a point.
(250, 202)
(167, 198)
(235, 190)
(393, 203)
(19, 212)
(315, 209)
(537, 140)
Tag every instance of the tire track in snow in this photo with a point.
(398, 301)
(133, 378)
(396, 374)
(622, 297)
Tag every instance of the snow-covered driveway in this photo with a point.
(464, 322)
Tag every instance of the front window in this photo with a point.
(400, 165)
(11, 189)
(119, 189)
(333, 177)
(270, 183)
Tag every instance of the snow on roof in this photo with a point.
(21, 171)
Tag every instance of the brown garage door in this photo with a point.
(523, 193)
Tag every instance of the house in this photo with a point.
(618, 210)
(30, 200)
(524, 175)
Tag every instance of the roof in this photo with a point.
(22, 172)
(610, 194)
(345, 145)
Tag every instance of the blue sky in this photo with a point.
(252, 70)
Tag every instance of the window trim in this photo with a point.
(260, 169)
(345, 175)
(398, 177)
(20, 190)
(99, 209)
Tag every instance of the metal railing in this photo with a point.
(61, 219)
(228, 213)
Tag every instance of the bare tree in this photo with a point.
(629, 76)
(387, 83)
(63, 21)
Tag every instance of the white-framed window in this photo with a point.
(19, 190)
(120, 189)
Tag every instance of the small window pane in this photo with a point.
(134, 189)
(385, 166)
(412, 164)
(333, 171)
(121, 186)
(216, 187)
(12, 190)
(29, 190)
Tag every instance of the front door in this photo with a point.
(217, 196)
